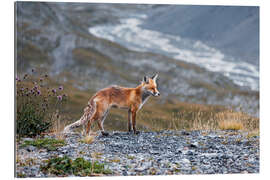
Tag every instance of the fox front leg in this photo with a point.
(100, 125)
(134, 122)
(129, 120)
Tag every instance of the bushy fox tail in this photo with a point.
(89, 111)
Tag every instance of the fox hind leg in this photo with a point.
(100, 123)
(90, 120)
(88, 127)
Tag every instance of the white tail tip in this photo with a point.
(66, 130)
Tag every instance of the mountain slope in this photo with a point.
(233, 29)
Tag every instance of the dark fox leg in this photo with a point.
(129, 120)
(134, 122)
(100, 123)
(101, 128)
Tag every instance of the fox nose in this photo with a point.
(157, 94)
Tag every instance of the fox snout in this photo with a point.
(153, 93)
(156, 94)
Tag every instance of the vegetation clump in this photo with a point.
(64, 166)
(47, 143)
(88, 139)
(36, 104)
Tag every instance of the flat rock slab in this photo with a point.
(155, 153)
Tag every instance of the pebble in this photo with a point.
(194, 145)
(31, 148)
(164, 152)
(28, 139)
(185, 161)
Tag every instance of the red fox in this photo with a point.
(131, 99)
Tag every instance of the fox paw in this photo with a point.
(136, 132)
(104, 133)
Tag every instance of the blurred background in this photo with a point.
(207, 58)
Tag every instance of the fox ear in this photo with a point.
(155, 77)
(145, 79)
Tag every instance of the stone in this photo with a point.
(31, 148)
(190, 153)
(27, 139)
(179, 150)
(185, 133)
(210, 155)
(185, 161)
(194, 145)
(154, 152)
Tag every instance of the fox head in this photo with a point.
(150, 85)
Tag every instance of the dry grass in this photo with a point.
(117, 160)
(96, 155)
(57, 126)
(200, 117)
(230, 121)
(230, 125)
(90, 138)
(194, 120)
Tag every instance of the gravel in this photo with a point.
(154, 153)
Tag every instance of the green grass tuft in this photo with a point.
(64, 166)
(49, 144)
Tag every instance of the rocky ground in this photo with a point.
(153, 153)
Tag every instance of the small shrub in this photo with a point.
(36, 103)
(49, 144)
(58, 166)
(64, 166)
(31, 122)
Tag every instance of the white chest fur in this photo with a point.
(145, 97)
